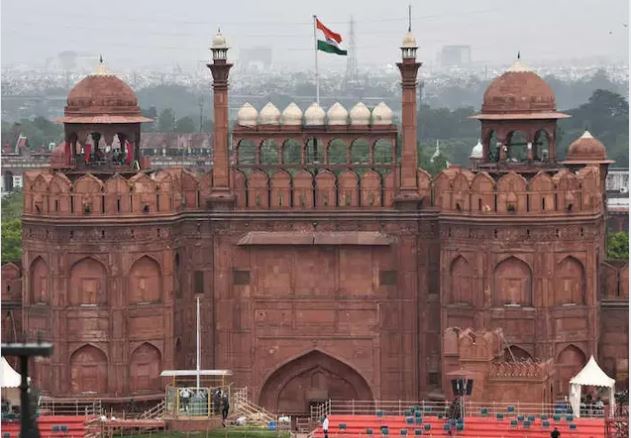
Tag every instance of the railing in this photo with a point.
(155, 412)
(87, 408)
(477, 409)
(253, 412)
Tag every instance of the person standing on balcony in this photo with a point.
(325, 426)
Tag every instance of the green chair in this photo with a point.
(520, 418)
(569, 418)
(342, 426)
(459, 427)
(545, 423)
(369, 431)
(510, 409)
(513, 423)
(403, 432)
(484, 412)
(418, 414)
(418, 432)
(427, 427)
(531, 418)
(409, 420)
(526, 424)
(379, 413)
(499, 417)
(385, 431)
(556, 417)
(572, 426)
(419, 420)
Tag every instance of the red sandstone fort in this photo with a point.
(328, 263)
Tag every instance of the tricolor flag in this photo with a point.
(328, 41)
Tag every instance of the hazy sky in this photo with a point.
(166, 33)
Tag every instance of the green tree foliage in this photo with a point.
(618, 246)
(606, 115)
(185, 125)
(166, 120)
(151, 113)
(39, 132)
(12, 227)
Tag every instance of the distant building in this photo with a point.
(168, 149)
(617, 184)
(451, 56)
(256, 58)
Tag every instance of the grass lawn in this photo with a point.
(228, 432)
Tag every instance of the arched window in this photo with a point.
(337, 152)
(541, 147)
(144, 281)
(88, 371)
(383, 151)
(269, 152)
(315, 152)
(291, 152)
(512, 283)
(517, 146)
(144, 369)
(461, 281)
(570, 282)
(87, 283)
(360, 151)
(246, 152)
(39, 281)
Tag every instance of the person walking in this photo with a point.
(185, 395)
(555, 433)
(325, 426)
(225, 409)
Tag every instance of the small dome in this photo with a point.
(219, 41)
(519, 90)
(586, 148)
(409, 41)
(269, 115)
(382, 115)
(360, 114)
(247, 115)
(337, 114)
(477, 151)
(314, 115)
(292, 115)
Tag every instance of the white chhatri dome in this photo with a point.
(360, 114)
(409, 41)
(314, 115)
(269, 115)
(337, 114)
(477, 151)
(219, 41)
(292, 115)
(382, 115)
(247, 115)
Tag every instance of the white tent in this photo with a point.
(9, 378)
(590, 375)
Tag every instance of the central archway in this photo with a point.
(312, 378)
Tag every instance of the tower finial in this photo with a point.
(410, 17)
(100, 59)
(518, 54)
(218, 29)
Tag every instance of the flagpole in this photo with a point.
(198, 339)
(317, 76)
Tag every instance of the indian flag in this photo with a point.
(328, 41)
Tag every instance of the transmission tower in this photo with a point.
(351, 78)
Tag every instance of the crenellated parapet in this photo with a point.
(166, 191)
(461, 191)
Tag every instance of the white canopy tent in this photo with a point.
(9, 378)
(590, 375)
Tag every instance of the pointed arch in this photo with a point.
(303, 189)
(348, 189)
(258, 190)
(39, 275)
(325, 189)
(280, 185)
(360, 151)
(144, 281)
(88, 283)
(240, 188)
(461, 281)
(337, 151)
(570, 282)
(292, 151)
(117, 197)
(246, 152)
(371, 189)
(88, 370)
(144, 369)
(313, 376)
(512, 283)
(511, 193)
(442, 190)
(461, 188)
(541, 191)
(483, 193)
(569, 362)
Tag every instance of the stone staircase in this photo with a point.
(253, 413)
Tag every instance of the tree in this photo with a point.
(12, 227)
(151, 113)
(166, 121)
(618, 246)
(185, 125)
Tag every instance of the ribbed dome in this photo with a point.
(586, 149)
(247, 115)
(518, 90)
(269, 115)
(382, 115)
(409, 41)
(219, 41)
(337, 115)
(477, 152)
(292, 115)
(360, 114)
(102, 98)
(314, 115)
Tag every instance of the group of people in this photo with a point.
(591, 407)
(220, 402)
